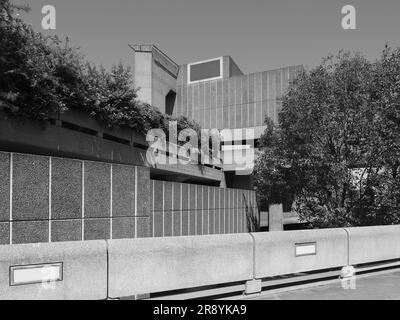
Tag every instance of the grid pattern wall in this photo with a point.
(180, 209)
(48, 199)
(237, 102)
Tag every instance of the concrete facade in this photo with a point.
(236, 101)
(233, 100)
(218, 95)
(49, 199)
(52, 199)
(155, 74)
(180, 209)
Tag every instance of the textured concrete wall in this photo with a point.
(237, 102)
(152, 265)
(48, 199)
(179, 209)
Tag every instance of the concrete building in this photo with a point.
(216, 94)
(72, 179)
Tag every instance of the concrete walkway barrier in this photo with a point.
(373, 244)
(288, 252)
(54, 271)
(149, 265)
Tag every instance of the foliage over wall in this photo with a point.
(41, 76)
(336, 148)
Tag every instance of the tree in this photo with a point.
(334, 149)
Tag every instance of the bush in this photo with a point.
(41, 76)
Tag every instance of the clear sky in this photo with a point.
(258, 34)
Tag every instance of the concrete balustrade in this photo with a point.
(119, 268)
(370, 244)
(153, 265)
(278, 253)
(81, 270)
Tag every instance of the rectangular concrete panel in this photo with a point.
(202, 98)
(30, 187)
(158, 196)
(4, 187)
(192, 210)
(123, 228)
(238, 116)
(143, 227)
(177, 204)
(185, 211)
(251, 114)
(4, 233)
(207, 106)
(158, 221)
(184, 101)
(220, 101)
(66, 230)
(178, 103)
(278, 83)
(30, 232)
(206, 209)
(96, 229)
(84, 271)
(251, 93)
(271, 86)
(245, 116)
(196, 98)
(167, 196)
(190, 102)
(217, 212)
(264, 89)
(226, 111)
(199, 210)
(373, 244)
(211, 215)
(123, 191)
(168, 216)
(213, 104)
(204, 260)
(143, 191)
(275, 251)
(66, 189)
(97, 189)
(227, 211)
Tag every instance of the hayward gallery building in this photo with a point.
(72, 179)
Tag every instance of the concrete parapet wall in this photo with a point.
(370, 244)
(49, 199)
(180, 209)
(84, 270)
(153, 265)
(286, 252)
(119, 268)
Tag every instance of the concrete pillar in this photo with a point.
(275, 217)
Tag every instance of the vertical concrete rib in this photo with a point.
(111, 202)
(50, 218)
(11, 194)
(83, 202)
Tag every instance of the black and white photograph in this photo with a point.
(226, 152)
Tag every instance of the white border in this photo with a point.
(221, 69)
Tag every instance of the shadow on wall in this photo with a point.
(253, 221)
